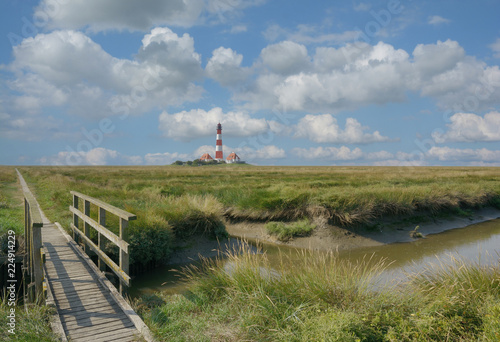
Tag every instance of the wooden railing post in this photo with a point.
(75, 218)
(37, 263)
(27, 257)
(124, 256)
(100, 238)
(27, 233)
(86, 226)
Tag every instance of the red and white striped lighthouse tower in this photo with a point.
(218, 144)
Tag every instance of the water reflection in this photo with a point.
(478, 243)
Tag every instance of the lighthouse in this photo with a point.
(218, 144)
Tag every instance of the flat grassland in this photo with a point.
(174, 202)
(347, 195)
(321, 299)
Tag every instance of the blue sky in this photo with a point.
(393, 82)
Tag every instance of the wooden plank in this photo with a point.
(112, 209)
(122, 244)
(92, 320)
(77, 276)
(107, 311)
(98, 310)
(57, 273)
(125, 278)
(80, 288)
(90, 307)
(106, 336)
(118, 336)
(54, 276)
(69, 288)
(65, 304)
(76, 296)
(55, 320)
(113, 326)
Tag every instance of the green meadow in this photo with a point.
(243, 297)
(323, 298)
(174, 202)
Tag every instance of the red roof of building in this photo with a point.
(206, 156)
(233, 156)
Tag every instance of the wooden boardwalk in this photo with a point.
(88, 307)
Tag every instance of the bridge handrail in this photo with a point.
(33, 223)
(121, 270)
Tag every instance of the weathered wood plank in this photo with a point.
(112, 209)
(65, 304)
(101, 229)
(113, 335)
(90, 321)
(125, 336)
(77, 295)
(98, 312)
(78, 289)
(114, 326)
(89, 307)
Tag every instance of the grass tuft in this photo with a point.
(285, 232)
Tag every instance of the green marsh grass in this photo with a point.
(286, 231)
(11, 202)
(183, 200)
(240, 297)
(31, 325)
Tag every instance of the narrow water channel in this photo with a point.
(477, 243)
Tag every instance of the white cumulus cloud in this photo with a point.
(133, 15)
(225, 67)
(468, 127)
(496, 48)
(329, 153)
(67, 68)
(285, 58)
(190, 125)
(464, 155)
(325, 129)
(96, 156)
(360, 74)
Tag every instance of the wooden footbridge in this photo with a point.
(58, 272)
